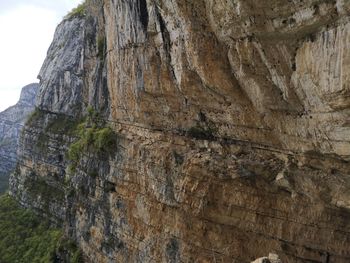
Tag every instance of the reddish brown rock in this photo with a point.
(232, 120)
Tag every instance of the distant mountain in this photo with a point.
(11, 122)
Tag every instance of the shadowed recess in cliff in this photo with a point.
(143, 13)
(165, 34)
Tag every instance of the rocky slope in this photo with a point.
(11, 124)
(232, 131)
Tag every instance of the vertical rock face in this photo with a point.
(11, 124)
(232, 119)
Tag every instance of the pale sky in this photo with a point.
(26, 32)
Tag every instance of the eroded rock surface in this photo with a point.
(232, 120)
(11, 124)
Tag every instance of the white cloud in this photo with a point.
(26, 30)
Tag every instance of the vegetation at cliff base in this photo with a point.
(27, 238)
(23, 236)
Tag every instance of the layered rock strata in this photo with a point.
(232, 119)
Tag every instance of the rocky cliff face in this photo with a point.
(11, 124)
(232, 126)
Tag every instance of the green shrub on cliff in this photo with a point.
(104, 139)
(34, 117)
(93, 137)
(79, 11)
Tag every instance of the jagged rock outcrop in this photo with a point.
(232, 119)
(11, 124)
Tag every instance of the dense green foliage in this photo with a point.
(27, 238)
(23, 236)
(93, 137)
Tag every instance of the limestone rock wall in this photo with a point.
(11, 124)
(232, 120)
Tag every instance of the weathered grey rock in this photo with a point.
(72, 63)
(61, 89)
(11, 124)
(233, 131)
